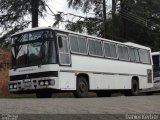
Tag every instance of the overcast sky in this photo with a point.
(56, 5)
(62, 6)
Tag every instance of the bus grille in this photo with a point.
(34, 75)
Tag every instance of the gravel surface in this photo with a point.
(95, 105)
(74, 106)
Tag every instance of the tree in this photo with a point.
(95, 25)
(140, 21)
(35, 6)
(92, 24)
(129, 20)
(13, 15)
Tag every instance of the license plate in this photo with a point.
(27, 80)
(27, 84)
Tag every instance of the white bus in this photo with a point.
(48, 60)
(156, 66)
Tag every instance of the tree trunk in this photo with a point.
(114, 2)
(113, 8)
(104, 19)
(35, 5)
(123, 20)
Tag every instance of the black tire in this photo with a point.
(81, 88)
(44, 94)
(103, 94)
(134, 89)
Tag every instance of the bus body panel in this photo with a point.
(23, 77)
(67, 80)
(102, 73)
(34, 69)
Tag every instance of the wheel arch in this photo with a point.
(135, 78)
(85, 75)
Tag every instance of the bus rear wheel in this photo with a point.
(44, 94)
(134, 89)
(82, 88)
(103, 94)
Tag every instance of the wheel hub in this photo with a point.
(82, 87)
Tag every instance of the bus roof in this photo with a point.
(94, 37)
(136, 45)
(156, 53)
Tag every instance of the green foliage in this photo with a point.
(132, 20)
(13, 13)
(84, 5)
(142, 23)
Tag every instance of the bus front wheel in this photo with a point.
(81, 88)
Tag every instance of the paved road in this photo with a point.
(94, 105)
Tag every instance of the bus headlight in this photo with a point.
(41, 83)
(14, 86)
(11, 86)
(46, 83)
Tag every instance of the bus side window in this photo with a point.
(110, 50)
(64, 53)
(144, 56)
(98, 46)
(95, 47)
(123, 52)
(82, 45)
(92, 49)
(132, 55)
(113, 50)
(137, 55)
(60, 43)
(74, 43)
(107, 50)
(78, 44)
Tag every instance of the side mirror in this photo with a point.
(60, 43)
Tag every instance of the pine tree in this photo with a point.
(131, 20)
(13, 15)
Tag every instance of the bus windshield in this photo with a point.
(33, 48)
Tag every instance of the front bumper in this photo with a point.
(32, 84)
